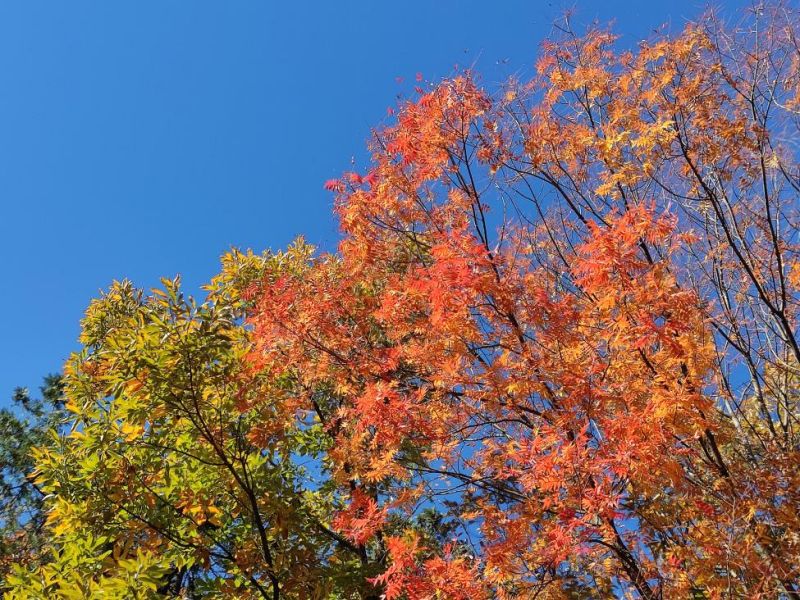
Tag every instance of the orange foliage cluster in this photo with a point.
(573, 307)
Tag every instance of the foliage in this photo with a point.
(24, 426)
(176, 469)
(554, 356)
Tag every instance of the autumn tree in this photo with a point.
(555, 355)
(568, 309)
(174, 480)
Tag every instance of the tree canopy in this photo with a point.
(28, 423)
(554, 356)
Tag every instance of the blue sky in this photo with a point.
(142, 139)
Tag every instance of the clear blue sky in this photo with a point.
(142, 139)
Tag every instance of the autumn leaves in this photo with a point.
(562, 318)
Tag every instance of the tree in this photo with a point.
(571, 308)
(554, 356)
(174, 479)
(27, 425)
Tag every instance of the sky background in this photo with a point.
(143, 139)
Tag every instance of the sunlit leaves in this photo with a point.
(555, 355)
